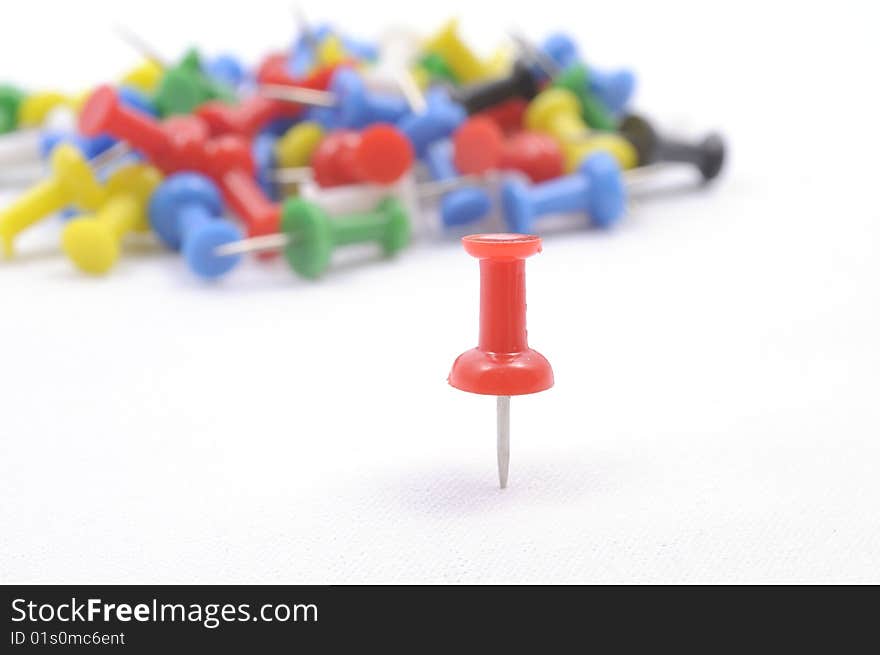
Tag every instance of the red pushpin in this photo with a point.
(502, 364)
(381, 154)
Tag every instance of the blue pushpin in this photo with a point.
(356, 107)
(302, 55)
(440, 119)
(460, 206)
(614, 89)
(596, 188)
(186, 212)
(263, 150)
(226, 69)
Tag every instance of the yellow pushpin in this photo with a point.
(331, 52)
(72, 182)
(295, 148)
(556, 112)
(457, 55)
(93, 242)
(145, 77)
(35, 107)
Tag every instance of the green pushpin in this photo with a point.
(10, 99)
(309, 235)
(576, 79)
(184, 87)
(437, 68)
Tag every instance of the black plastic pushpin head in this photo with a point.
(707, 155)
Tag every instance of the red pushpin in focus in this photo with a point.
(502, 364)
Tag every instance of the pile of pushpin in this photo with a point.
(218, 161)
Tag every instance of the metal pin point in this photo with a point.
(305, 28)
(503, 409)
(139, 44)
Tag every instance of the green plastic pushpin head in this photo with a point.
(184, 87)
(576, 79)
(437, 68)
(313, 235)
(10, 99)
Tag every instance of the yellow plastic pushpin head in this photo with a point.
(295, 148)
(90, 244)
(458, 56)
(331, 51)
(34, 108)
(93, 243)
(76, 178)
(138, 181)
(548, 106)
(145, 77)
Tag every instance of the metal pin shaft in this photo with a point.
(292, 175)
(140, 45)
(503, 407)
(298, 94)
(549, 67)
(411, 91)
(254, 244)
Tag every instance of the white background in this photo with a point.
(715, 416)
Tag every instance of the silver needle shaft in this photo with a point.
(503, 404)
(254, 244)
(140, 45)
(298, 94)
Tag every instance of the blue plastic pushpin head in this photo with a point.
(440, 119)
(595, 188)
(226, 69)
(186, 214)
(561, 49)
(464, 206)
(615, 89)
(356, 107)
(199, 249)
(606, 203)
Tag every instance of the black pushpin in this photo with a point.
(519, 83)
(707, 155)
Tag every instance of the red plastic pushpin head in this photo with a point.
(502, 364)
(98, 110)
(384, 154)
(477, 146)
(537, 155)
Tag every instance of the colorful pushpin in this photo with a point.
(186, 212)
(174, 144)
(93, 242)
(596, 189)
(356, 107)
(72, 182)
(518, 83)
(707, 155)
(557, 112)
(478, 144)
(379, 155)
(309, 236)
(10, 100)
(457, 55)
(615, 89)
(460, 206)
(502, 364)
(536, 155)
(438, 121)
